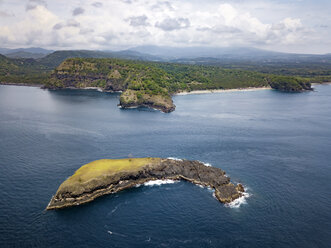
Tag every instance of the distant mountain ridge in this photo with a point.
(178, 54)
(187, 55)
(57, 57)
(32, 52)
(25, 55)
(39, 50)
(193, 52)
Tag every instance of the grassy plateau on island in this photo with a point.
(103, 167)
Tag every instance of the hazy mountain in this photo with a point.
(194, 52)
(213, 54)
(32, 52)
(22, 54)
(55, 58)
(28, 50)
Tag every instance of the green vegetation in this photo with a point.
(151, 78)
(38, 70)
(22, 71)
(152, 83)
(155, 78)
(223, 75)
(289, 84)
(105, 167)
(196, 77)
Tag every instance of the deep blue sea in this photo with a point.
(277, 144)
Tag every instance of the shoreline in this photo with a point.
(313, 84)
(181, 93)
(22, 84)
(94, 88)
(195, 92)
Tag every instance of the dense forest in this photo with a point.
(37, 71)
(151, 77)
(145, 82)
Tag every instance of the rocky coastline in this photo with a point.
(73, 191)
(21, 84)
(151, 105)
(132, 99)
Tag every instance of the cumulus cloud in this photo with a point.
(34, 28)
(32, 4)
(169, 24)
(162, 5)
(5, 14)
(69, 23)
(97, 4)
(58, 26)
(127, 1)
(78, 11)
(125, 23)
(138, 20)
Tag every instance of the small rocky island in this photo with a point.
(108, 176)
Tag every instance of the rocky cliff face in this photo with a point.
(108, 75)
(79, 74)
(61, 81)
(131, 98)
(69, 194)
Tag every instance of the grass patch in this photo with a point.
(103, 167)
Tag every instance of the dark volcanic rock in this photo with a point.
(193, 171)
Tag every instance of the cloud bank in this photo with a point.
(290, 26)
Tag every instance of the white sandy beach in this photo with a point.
(220, 91)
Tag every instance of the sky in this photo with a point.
(295, 26)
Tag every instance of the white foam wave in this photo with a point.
(238, 202)
(159, 182)
(206, 164)
(118, 234)
(210, 189)
(177, 159)
(114, 210)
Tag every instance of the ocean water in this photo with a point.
(277, 145)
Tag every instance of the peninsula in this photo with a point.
(108, 176)
(152, 84)
(149, 84)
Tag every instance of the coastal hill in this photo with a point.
(151, 84)
(148, 78)
(316, 68)
(56, 58)
(143, 84)
(108, 176)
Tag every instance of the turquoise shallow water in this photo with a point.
(278, 145)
